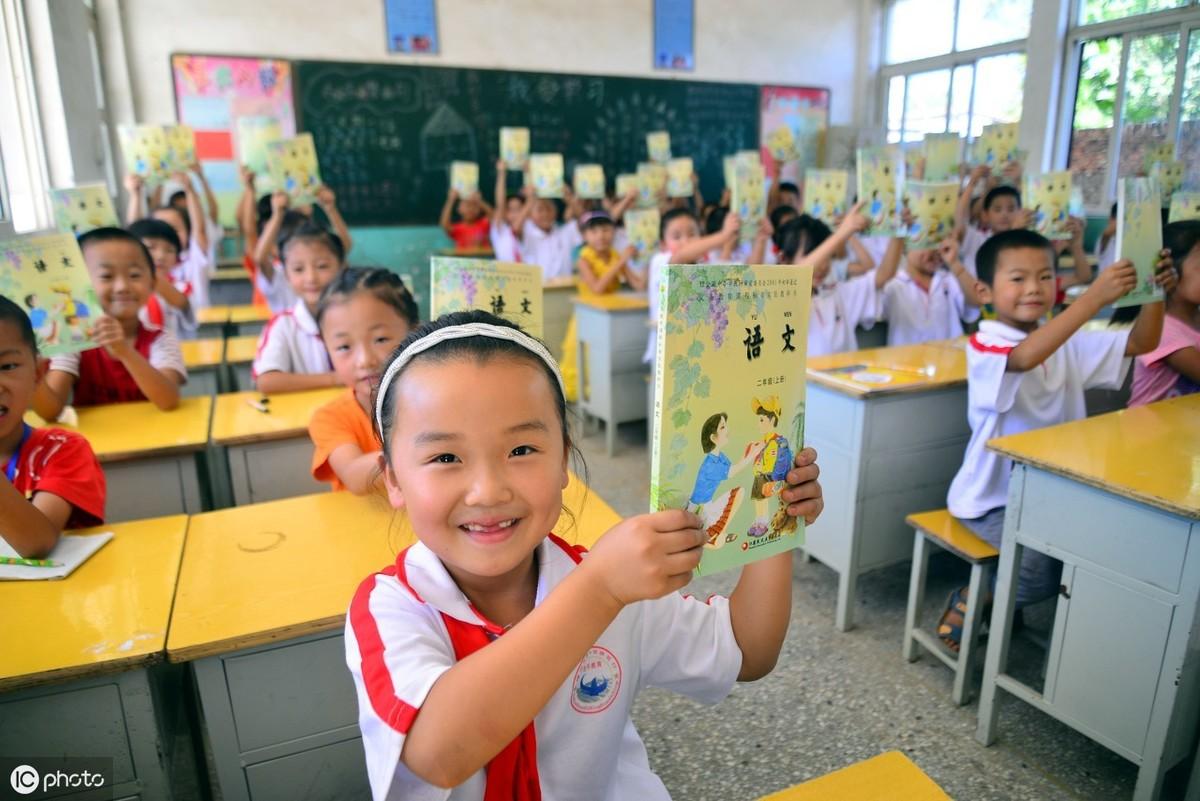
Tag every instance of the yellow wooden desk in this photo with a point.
(888, 776)
(203, 359)
(268, 455)
(1117, 499)
(891, 427)
(611, 340)
(239, 356)
(230, 286)
(83, 647)
(260, 611)
(248, 319)
(153, 461)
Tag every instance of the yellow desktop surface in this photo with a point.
(561, 282)
(289, 568)
(237, 422)
(239, 350)
(110, 614)
(249, 314)
(201, 353)
(1148, 453)
(121, 432)
(231, 274)
(620, 301)
(213, 315)
(888, 776)
(880, 371)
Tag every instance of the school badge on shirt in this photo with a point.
(597, 681)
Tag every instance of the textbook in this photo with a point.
(46, 276)
(1169, 175)
(781, 144)
(506, 289)
(464, 178)
(79, 209)
(658, 146)
(943, 154)
(627, 182)
(997, 145)
(181, 148)
(546, 173)
(825, 194)
(932, 206)
(679, 178)
(1163, 152)
(514, 147)
(1048, 196)
(1184, 206)
(652, 183)
(145, 151)
(253, 135)
(1139, 236)
(589, 181)
(293, 167)
(880, 178)
(729, 404)
(749, 198)
(641, 227)
(71, 551)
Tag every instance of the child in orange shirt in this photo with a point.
(363, 315)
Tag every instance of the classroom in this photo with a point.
(643, 399)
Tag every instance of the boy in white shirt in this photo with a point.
(1022, 375)
(925, 301)
(544, 241)
(506, 219)
(1001, 212)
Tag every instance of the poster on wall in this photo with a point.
(804, 112)
(212, 93)
(674, 40)
(411, 26)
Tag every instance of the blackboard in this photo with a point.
(386, 133)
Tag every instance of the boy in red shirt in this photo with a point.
(49, 478)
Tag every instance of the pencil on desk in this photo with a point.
(17, 560)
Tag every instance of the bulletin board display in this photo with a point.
(211, 94)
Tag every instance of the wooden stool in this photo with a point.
(888, 776)
(942, 529)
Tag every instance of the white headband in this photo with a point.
(461, 332)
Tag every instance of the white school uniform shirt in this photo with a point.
(876, 246)
(837, 310)
(165, 354)
(551, 250)
(192, 274)
(1001, 402)
(505, 245)
(291, 343)
(277, 292)
(397, 646)
(216, 232)
(973, 240)
(914, 315)
(181, 324)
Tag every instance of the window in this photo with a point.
(24, 170)
(1136, 67)
(953, 65)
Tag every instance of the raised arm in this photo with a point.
(135, 208)
(762, 236)
(445, 219)
(264, 248)
(773, 193)
(966, 282)
(1083, 264)
(962, 212)
(862, 257)
(621, 206)
(501, 193)
(328, 202)
(247, 210)
(852, 223)
(195, 212)
(891, 262)
(691, 251)
(210, 199)
(1147, 328)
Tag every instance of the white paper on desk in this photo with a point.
(71, 552)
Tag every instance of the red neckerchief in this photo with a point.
(512, 775)
(154, 311)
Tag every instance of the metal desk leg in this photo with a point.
(1003, 606)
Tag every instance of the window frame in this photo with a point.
(1183, 21)
(17, 75)
(945, 61)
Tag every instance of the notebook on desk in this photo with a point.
(71, 552)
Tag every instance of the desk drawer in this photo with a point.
(336, 772)
(1124, 536)
(286, 693)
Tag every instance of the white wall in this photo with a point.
(800, 42)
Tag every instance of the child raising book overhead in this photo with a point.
(1172, 368)
(133, 362)
(1023, 375)
(474, 220)
(507, 220)
(838, 307)
(170, 306)
(363, 315)
(473, 421)
(291, 356)
(51, 480)
(931, 297)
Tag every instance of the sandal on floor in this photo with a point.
(949, 632)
